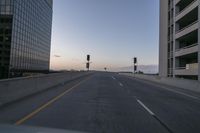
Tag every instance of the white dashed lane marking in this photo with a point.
(145, 107)
(121, 84)
(113, 77)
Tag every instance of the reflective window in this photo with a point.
(31, 33)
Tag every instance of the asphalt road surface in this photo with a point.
(109, 103)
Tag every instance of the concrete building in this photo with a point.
(25, 36)
(179, 54)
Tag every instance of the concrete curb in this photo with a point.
(185, 84)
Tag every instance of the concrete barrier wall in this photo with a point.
(176, 82)
(15, 89)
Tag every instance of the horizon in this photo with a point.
(146, 69)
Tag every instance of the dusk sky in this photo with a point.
(111, 31)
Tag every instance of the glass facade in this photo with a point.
(30, 36)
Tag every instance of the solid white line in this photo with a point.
(121, 84)
(145, 107)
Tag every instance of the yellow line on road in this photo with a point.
(35, 112)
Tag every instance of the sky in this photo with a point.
(111, 31)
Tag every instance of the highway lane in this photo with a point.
(108, 103)
(179, 110)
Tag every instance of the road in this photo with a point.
(109, 103)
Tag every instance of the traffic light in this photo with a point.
(87, 65)
(135, 68)
(88, 57)
(135, 64)
(135, 60)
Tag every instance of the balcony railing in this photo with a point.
(187, 26)
(190, 69)
(193, 66)
(187, 47)
(185, 8)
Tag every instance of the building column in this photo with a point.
(163, 39)
(174, 40)
(199, 40)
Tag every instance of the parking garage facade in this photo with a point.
(179, 39)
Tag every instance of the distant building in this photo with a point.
(25, 36)
(179, 39)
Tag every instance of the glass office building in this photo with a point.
(25, 36)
